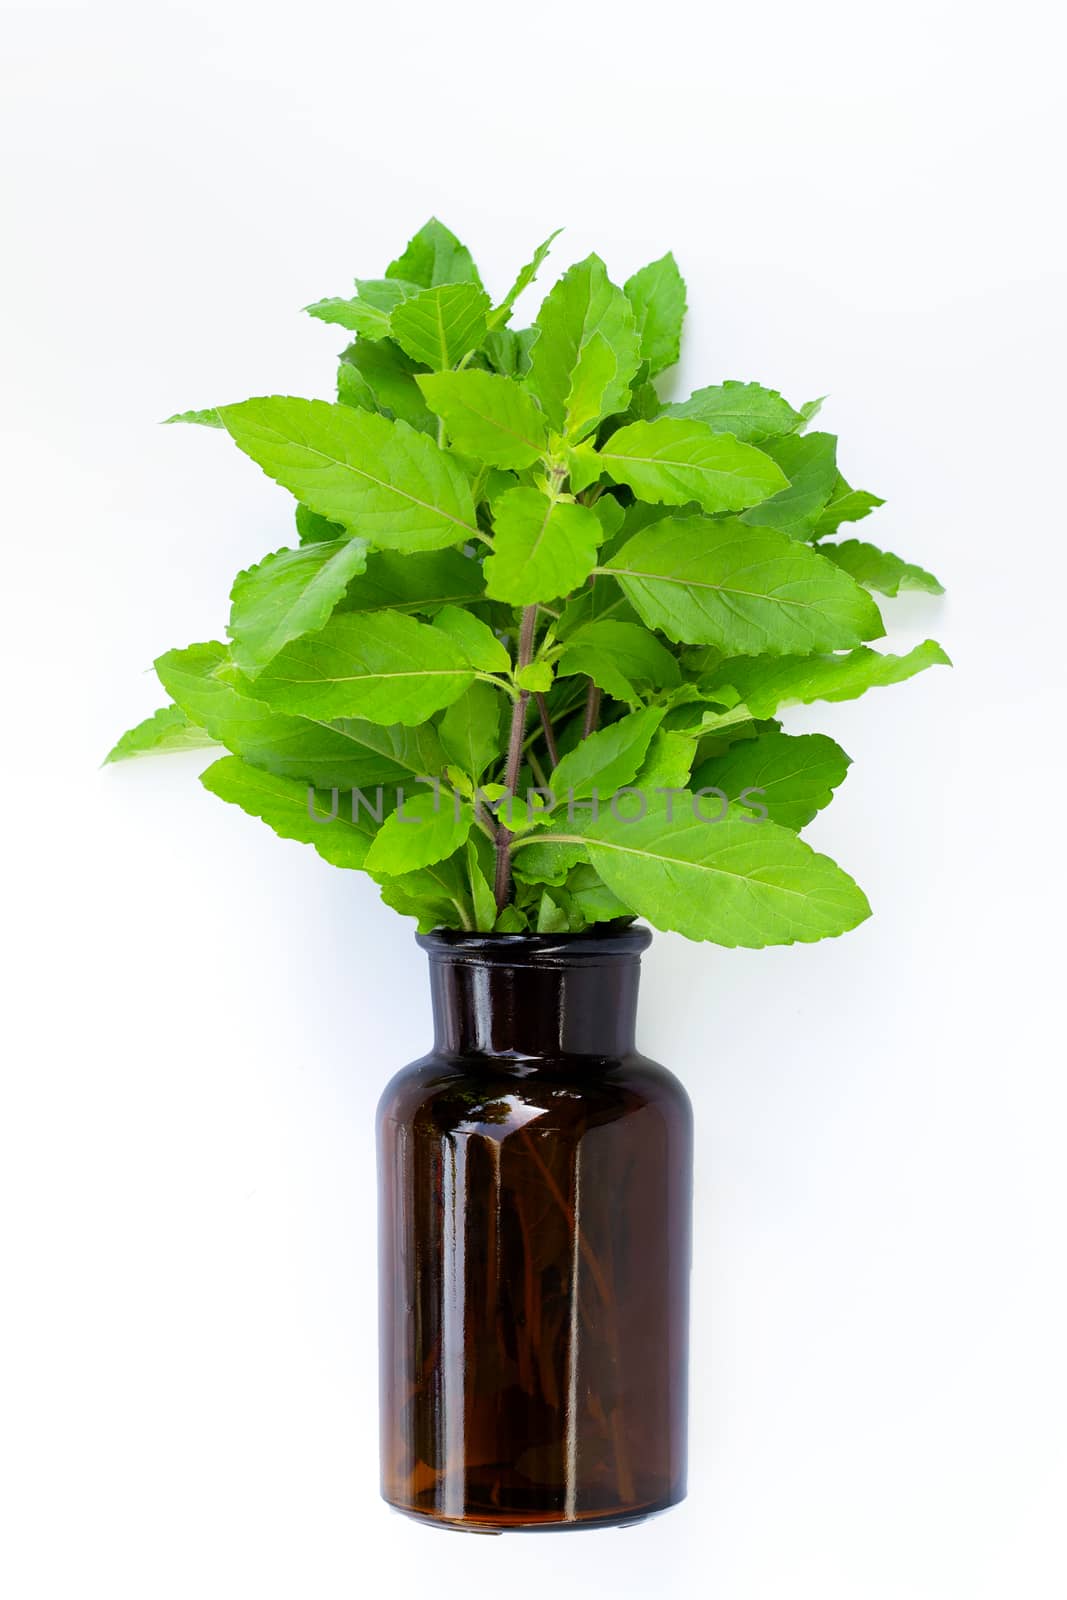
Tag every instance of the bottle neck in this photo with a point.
(535, 999)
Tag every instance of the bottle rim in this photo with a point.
(606, 942)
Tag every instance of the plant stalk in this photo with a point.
(502, 883)
(550, 732)
(592, 710)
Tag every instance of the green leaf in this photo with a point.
(551, 916)
(542, 548)
(434, 256)
(747, 410)
(487, 416)
(380, 377)
(190, 677)
(879, 570)
(477, 641)
(367, 314)
(584, 467)
(528, 273)
(611, 516)
(698, 661)
(516, 811)
(511, 920)
(355, 315)
(550, 863)
(796, 775)
(749, 591)
(639, 515)
(492, 482)
(204, 419)
(589, 898)
(382, 479)
(607, 760)
(385, 293)
(657, 294)
(596, 378)
(425, 581)
(470, 729)
(600, 600)
(704, 718)
(165, 730)
(286, 806)
(380, 665)
(440, 326)
(536, 676)
(735, 882)
(587, 352)
(675, 462)
(809, 461)
(508, 349)
(289, 593)
(645, 404)
(482, 897)
(348, 753)
(354, 390)
(668, 761)
(406, 752)
(845, 505)
(618, 656)
(687, 705)
(422, 830)
(765, 685)
(314, 529)
(457, 778)
(435, 895)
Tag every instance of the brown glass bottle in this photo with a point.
(535, 1199)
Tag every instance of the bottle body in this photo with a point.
(534, 1213)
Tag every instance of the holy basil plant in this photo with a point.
(524, 658)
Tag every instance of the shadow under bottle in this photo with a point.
(535, 1200)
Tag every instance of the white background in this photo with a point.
(866, 201)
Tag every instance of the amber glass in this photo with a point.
(535, 1198)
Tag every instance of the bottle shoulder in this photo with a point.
(451, 1091)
